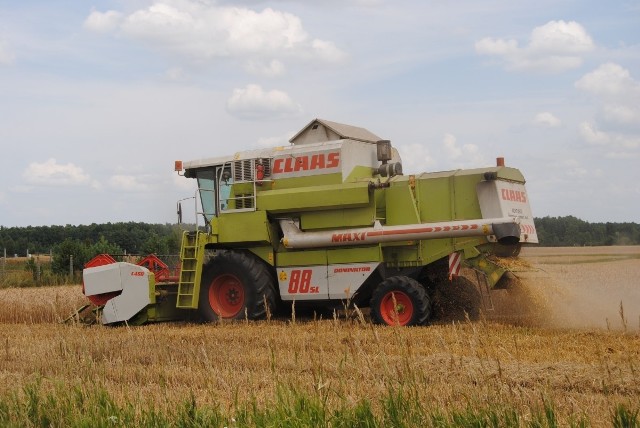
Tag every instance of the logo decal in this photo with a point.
(306, 164)
(513, 195)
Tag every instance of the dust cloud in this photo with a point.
(582, 295)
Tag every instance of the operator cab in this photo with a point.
(213, 189)
(227, 185)
(334, 152)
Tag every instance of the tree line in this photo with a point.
(144, 238)
(81, 243)
(130, 237)
(570, 231)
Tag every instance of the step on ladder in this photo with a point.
(189, 282)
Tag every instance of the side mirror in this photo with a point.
(179, 213)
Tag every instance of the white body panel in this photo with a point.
(101, 280)
(345, 279)
(132, 280)
(303, 283)
(336, 281)
(299, 161)
(507, 199)
(329, 157)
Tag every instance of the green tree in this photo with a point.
(174, 240)
(103, 247)
(155, 245)
(63, 252)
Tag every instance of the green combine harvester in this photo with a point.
(328, 221)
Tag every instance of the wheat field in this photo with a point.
(574, 364)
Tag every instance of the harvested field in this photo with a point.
(573, 363)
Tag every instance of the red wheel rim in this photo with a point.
(396, 307)
(226, 296)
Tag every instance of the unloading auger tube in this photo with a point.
(506, 231)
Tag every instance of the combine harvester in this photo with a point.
(328, 220)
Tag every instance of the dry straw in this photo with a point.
(496, 363)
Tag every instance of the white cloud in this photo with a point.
(203, 31)
(560, 37)
(609, 80)
(617, 96)
(103, 22)
(592, 136)
(450, 146)
(465, 156)
(273, 68)
(327, 51)
(6, 56)
(553, 47)
(54, 174)
(621, 114)
(616, 144)
(127, 183)
(546, 119)
(416, 158)
(491, 46)
(252, 102)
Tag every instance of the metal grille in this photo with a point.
(244, 170)
(244, 201)
(267, 167)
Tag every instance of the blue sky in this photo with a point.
(97, 99)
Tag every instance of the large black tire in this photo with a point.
(456, 300)
(236, 285)
(400, 300)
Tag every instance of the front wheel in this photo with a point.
(236, 285)
(400, 300)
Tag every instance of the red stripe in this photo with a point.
(422, 230)
(454, 263)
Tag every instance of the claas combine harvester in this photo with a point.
(329, 220)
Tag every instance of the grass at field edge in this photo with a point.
(92, 406)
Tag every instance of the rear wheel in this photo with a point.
(235, 285)
(400, 300)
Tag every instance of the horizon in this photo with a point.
(193, 224)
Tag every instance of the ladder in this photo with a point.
(189, 282)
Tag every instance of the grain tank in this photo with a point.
(331, 219)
